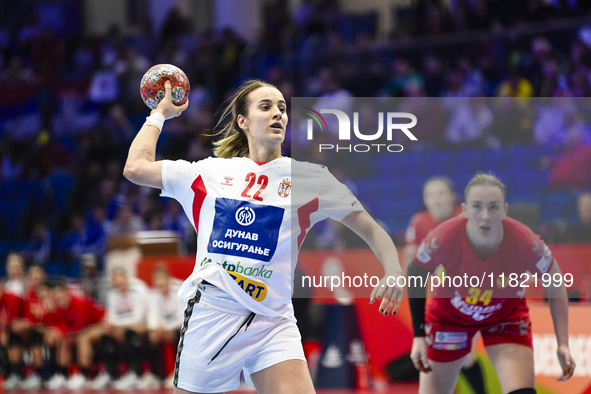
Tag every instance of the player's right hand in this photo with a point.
(566, 363)
(418, 354)
(166, 107)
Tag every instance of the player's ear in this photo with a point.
(464, 206)
(242, 122)
(506, 208)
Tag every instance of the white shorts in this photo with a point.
(211, 319)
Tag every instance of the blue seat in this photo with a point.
(61, 185)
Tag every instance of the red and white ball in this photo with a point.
(152, 85)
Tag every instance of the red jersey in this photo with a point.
(34, 309)
(11, 307)
(447, 246)
(81, 313)
(421, 223)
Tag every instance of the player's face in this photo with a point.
(266, 121)
(14, 266)
(61, 297)
(160, 282)
(584, 208)
(485, 208)
(439, 200)
(119, 281)
(36, 276)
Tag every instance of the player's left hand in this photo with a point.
(566, 363)
(388, 292)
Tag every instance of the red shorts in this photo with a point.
(451, 342)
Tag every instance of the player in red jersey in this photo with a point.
(11, 308)
(75, 314)
(31, 326)
(439, 198)
(482, 241)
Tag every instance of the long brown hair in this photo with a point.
(234, 142)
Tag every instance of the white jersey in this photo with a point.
(250, 223)
(129, 308)
(166, 311)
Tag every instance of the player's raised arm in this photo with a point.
(141, 166)
(381, 244)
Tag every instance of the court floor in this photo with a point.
(402, 388)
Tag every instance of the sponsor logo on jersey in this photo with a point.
(451, 337)
(256, 290)
(228, 181)
(477, 312)
(449, 346)
(245, 216)
(243, 229)
(425, 250)
(284, 187)
(255, 272)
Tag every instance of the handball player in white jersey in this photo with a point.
(238, 314)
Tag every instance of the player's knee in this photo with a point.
(14, 340)
(108, 344)
(132, 338)
(524, 391)
(35, 338)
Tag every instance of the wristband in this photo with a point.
(156, 120)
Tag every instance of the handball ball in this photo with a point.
(152, 85)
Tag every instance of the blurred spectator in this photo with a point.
(474, 84)
(469, 125)
(81, 238)
(48, 55)
(303, 13)
(92, 281)
(582, 231)
(121, 130)
(403, 74)
(433, 75)
(35, 276)
(14, 156)
(16, 75)
(49, 155)
(77, 316)
(11, 308)
(515, 86)
(31, 326)
(572, 168)
(512, 122)
(165, 317)
(175, 220)
(560, 231)
(15, 272)
(130, 69)
(30, 32)
(439, 199)
(332, 95)
(127, 308)
(40, 246)
(154, 221)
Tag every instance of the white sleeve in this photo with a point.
(111, 316)
(154, 311)
(177, 176)
(335, 199)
